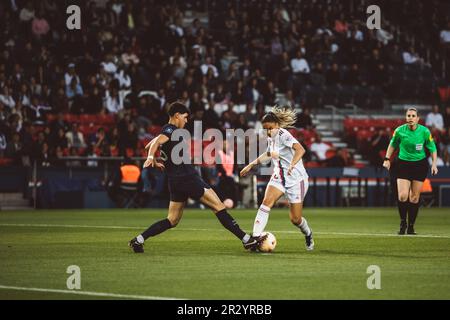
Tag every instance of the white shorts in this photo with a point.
(295, 193)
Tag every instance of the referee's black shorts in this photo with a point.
(191, 186)
(412, 170)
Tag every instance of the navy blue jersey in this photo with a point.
(174, 170)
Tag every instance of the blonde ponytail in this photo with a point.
(284, 116)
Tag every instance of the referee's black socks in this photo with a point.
(230, 224)
(412, 213)
(403, 211)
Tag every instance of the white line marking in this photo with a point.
(89, 293)
(215, 230)
(40, 225)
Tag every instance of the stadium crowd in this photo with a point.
(103, 90)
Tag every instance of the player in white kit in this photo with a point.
(289, 175)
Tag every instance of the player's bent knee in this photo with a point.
(414, 198)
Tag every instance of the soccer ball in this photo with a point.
(229, 204)
(269, 244)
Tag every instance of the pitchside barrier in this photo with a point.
(73, 184)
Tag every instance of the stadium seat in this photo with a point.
(6, 161)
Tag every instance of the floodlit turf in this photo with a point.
(201, 260)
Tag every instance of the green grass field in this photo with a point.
(201, 260)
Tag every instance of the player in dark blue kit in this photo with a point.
(184, 183)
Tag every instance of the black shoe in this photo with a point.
(136, 246)
(410, 230)
(309, 241)
(402, 229)
(253, 243)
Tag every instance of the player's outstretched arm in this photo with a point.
(153, 146)
(262, 158)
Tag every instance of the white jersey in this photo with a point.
(280, 148)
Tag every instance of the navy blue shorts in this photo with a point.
(191, 186)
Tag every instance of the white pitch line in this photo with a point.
(197, 229)
(40, 225)
(89, 293)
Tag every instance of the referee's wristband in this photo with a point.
(387, 159)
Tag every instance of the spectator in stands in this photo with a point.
(252, 93)
(411, 57)
(113, 101)
(123, 78)
(339, 160)
(447, 117)
(75, 138)
(6, 98)
(395, 56)
(434, 119)
(99, 142)
(355, 33)
(246, 70)
(318, 76)
(3, 144)
(304, 119)
(40, 26)
(59, 123)
(379, 76)
(74, 89)
(36, 111)
(59, 139)
(71, 74)
(269, 94)
(43, 157)
(300, 68)
(384, 36)
(129, 57)
(60, 102)
(352, 77)
(378, 143)
(207, 66)
(37, 145)
(27, 13)
(340, 25)
(333, 75)
(319, 149)
(444, 35)
(14, 149)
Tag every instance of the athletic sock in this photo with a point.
(261, 220)
(231, 225)
(403, 210)
(140, 239)
(155, 229)
(303, 226)
(412, 213)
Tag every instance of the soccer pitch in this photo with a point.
(200, 260)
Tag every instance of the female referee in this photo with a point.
(411, 140)
(289, 176)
